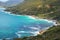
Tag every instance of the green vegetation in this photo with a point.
(51, 34)
(42, 8)
(49, 9)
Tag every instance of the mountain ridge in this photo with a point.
(10, 3)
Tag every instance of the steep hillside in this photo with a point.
(53, 33)
(42, 8)
(31, 6)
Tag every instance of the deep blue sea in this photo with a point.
(12, 26)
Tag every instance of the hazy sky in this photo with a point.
(3, 0)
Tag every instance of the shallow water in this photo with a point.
(12, 26)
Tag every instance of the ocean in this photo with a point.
(17, 26)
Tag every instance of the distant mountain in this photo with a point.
(2, 4)
(10, 3)
(13, 2)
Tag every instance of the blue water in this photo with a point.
(12, 26)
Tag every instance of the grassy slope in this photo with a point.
(43, 9)
(51, 34)
(35, 7)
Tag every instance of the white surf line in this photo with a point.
(10, 13)
(34, 33)
(31, 17)
(37, 18)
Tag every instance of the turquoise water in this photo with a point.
(12, 26)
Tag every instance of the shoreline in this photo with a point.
(36, 17)
(33, 17)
